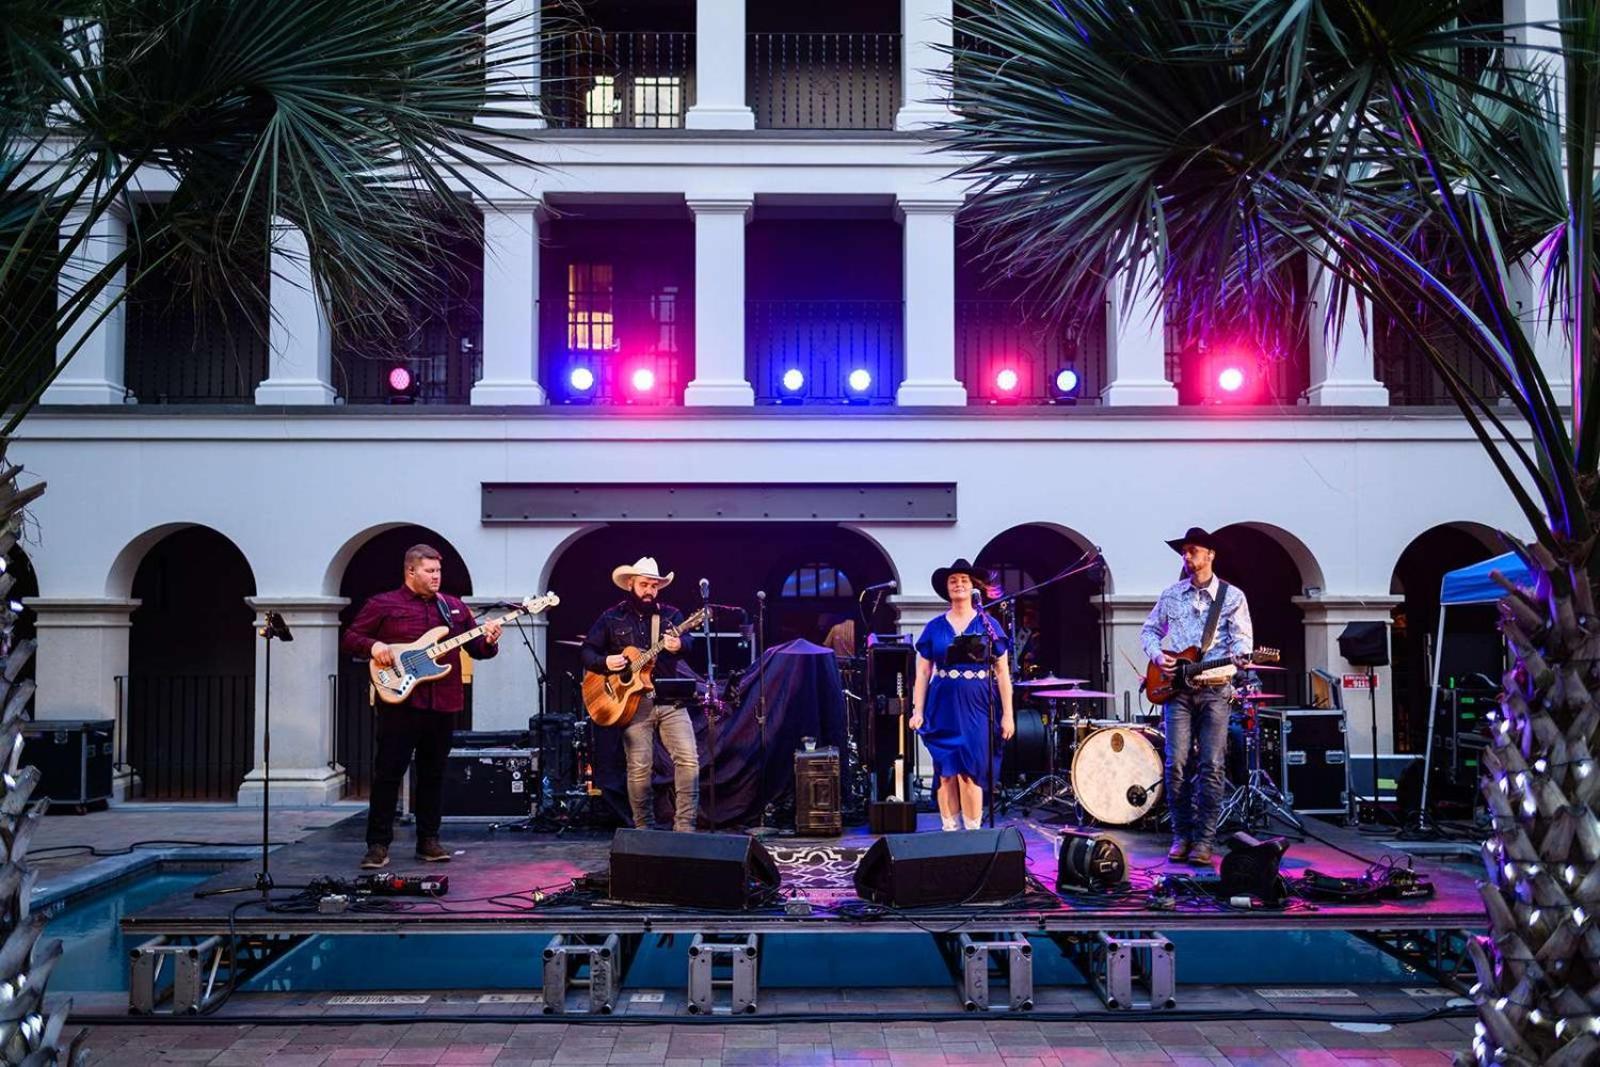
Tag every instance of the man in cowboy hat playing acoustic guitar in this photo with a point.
(638, 620)
(1200, 611)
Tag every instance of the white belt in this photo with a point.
(941, 672)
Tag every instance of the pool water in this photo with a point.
(96, 956)
(95, 950)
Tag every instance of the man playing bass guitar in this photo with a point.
(1205, 613)
(423, 722)
(638, 621)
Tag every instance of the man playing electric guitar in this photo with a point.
(1206, 613)
(423, 722)
(638, 621)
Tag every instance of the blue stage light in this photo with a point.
(581, 379)
(860, 380)
(1066, 381)
(793, 380)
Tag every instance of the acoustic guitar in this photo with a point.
(613, 699)
(1159, 686)
(418, 662)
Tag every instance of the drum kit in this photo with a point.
(1107, 770)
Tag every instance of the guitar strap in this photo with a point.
(444, 612)
(1213, 618)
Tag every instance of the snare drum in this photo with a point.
(1117, 773)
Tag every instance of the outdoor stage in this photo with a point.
(495, 871)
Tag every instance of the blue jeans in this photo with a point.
(639, 745)
(1195, 783)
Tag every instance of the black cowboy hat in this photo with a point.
(1194, 536)
(960, 566)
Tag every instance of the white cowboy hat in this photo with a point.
(645, 567)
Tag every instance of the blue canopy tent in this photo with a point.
(1468, 585)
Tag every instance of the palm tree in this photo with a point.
(1195, 147)
(358, 123)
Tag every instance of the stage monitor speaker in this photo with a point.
(725, 871)
(921, 870)
(1250, 869)
(1365, 644)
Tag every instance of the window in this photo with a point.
(657, 103)
(600, 103)
(591, 314)
(817, 580)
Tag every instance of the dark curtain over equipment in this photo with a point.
(804, 699)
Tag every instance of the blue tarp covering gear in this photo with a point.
(804, 699)
(1472, 585)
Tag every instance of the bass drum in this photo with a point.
(1117, 773)
(1027, 755)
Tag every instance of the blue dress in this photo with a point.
(956, 716)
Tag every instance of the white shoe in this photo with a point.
(972, 824)
(949, 822)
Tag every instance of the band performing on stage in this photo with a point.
(664, 734)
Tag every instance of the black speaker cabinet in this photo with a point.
(816, 793)
(74, 757)
(490, 781)
(892, 817)
(1365, 644)
(726, 871)
(966, 867)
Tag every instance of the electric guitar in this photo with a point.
(418, 662)
(613, 699)
(1159, 686)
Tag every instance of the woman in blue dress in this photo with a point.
(950, 703)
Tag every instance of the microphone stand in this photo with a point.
(989, 658)
(711, 704)
(541, 679)
(760, 640)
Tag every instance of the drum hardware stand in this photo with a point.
(1256, 802)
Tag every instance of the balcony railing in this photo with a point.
(824, 81)
(601, 81)
(1014, 351)
(824, 351)
(601, 349)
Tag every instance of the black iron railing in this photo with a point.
(353, 727)
(175, 355)
(824, 351)
(189, 737)
(1015, 351)
(604, 349)
(824, 81)
(1410, 375)
(596, 80)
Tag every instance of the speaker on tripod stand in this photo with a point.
(1365, 644)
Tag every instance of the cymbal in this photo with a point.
(1246, 694)
(1048, 680)
(1072, 694)
(1262, 667)
(570, 644)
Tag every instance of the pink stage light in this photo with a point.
(1006, 380)
(1230, 379)
(644, 380)
(399, 379)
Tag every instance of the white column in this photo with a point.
(83, 651)
(929, 245)
(924, 30)
(1136, 349)
(1341, 367)
(1127, 613)
(94, 374)
(1552, 345)
(515, 47)
(1325, 619)
(719, 375)
(299, 338)
(719, 61)
(505, 689)
(302, 703)
(510, 305)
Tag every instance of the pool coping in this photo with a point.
(108, 871)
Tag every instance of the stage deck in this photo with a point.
(495, 871)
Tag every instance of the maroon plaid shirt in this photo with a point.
(399, 617)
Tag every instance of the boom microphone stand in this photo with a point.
(758, 639)
(711, 702)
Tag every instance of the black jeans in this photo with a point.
(401, 731)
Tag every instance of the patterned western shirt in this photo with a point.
(1178, 621)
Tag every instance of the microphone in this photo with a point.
(891, 584)
(977, 599)
(705, 589)
(761, 595)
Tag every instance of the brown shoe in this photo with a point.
(430, 850)
(1200, 856)
(377, 858)
(1179, 852)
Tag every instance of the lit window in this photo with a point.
(658, 103)
(817, 580)
(591, 316)
(600, 104)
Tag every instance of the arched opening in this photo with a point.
(738, 559)
(376, 566)
(1060, 628)
(190, 690)
(1472, 655)
(1271, 567)
(23, 620)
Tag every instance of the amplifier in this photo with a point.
(74, 757)
(816, 793)
(1314, 760)
(493, 782)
